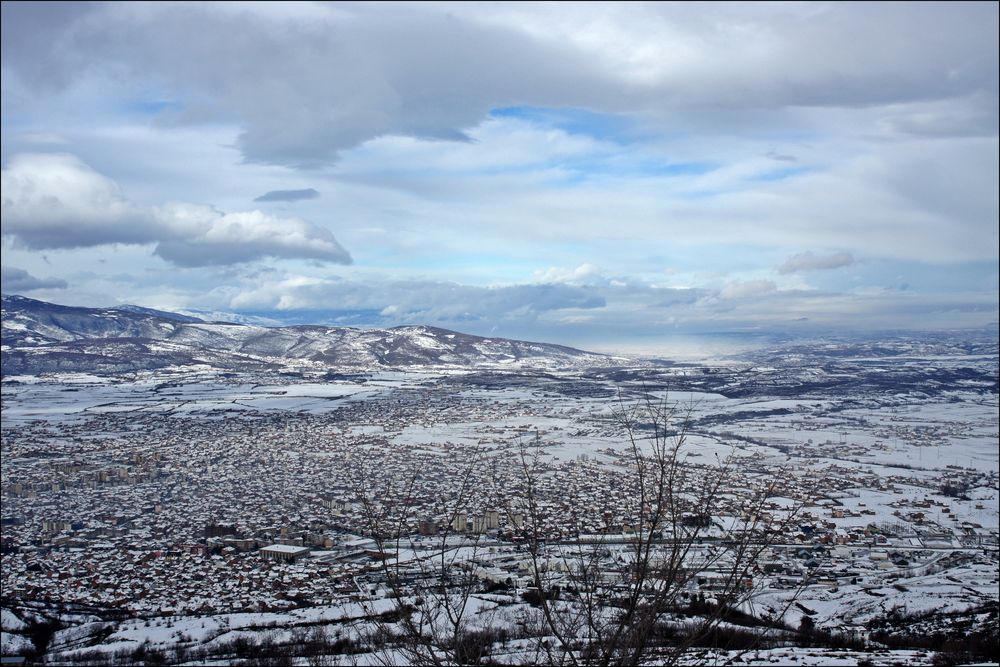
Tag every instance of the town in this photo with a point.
(194, 505)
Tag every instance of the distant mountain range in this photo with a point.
(40, 337)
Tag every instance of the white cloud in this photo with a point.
(202, 235)
(585, 274)
(57, 201)
(53, 200)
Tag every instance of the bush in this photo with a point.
(472, 648)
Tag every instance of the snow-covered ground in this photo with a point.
(923, 465)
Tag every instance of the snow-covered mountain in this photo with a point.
(40, 337)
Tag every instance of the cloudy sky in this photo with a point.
(597, 174)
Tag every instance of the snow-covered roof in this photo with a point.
(285, 549)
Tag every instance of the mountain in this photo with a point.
(40, 337)
(178, 317)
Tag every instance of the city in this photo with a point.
(193, 493)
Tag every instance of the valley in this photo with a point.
(183, 508)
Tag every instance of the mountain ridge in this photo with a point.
(40, 337)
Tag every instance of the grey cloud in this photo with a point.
(288, 195)
(306, 88)
(972, 116)
(523, 301)
(781, 157)
(682, 296)
(807, 261)
(747, 289)
(56, 201)
(415, 302)
(22, 25)
(601, 316)
(563, 312)
(418, 301)
(42, 138)
(18, 280)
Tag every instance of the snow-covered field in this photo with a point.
(189, 395)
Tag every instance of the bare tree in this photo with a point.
(435, 618)
(677, 560)
(673, 506)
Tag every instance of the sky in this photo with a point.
(612, 176)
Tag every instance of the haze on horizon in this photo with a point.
(608, 176)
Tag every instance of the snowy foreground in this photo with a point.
(187, 640)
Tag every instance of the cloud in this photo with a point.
(929, 200)
(42, 138)
(16, 280)
(201, 236)
(585, 274)
(780, 157)
(384, 302)
(474, 143)
(807, 261)
(288, 195)
(57, 201)
(415, 300)
(596, 315)
(971, 116)
(740, 289)
(305, 84)
(53, 200)
(592, 317)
